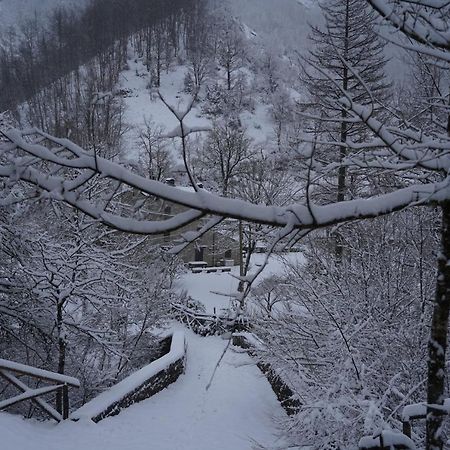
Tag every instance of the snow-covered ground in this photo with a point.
(215, 290)
(236, 412)
(140, 107)
(286, 27)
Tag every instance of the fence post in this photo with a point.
(65, 402)
(407, 428)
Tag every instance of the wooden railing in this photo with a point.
(10, 371)
(419, 411)
(387, 440)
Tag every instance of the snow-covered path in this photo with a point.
(238, 411)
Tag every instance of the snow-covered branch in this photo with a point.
(67, 188)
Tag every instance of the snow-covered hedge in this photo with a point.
(138, 386)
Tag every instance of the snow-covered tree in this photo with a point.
(230, 50)
(224, 153)
(347, 54)
(156, 157)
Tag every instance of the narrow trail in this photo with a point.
(237, 411)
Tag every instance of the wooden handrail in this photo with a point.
(42, 404)
(42, 374)
(9, 370)
(29, 394)
(419, 411)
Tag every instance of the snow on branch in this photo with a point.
(425, 152)
(25, 162)
(38, 373)
(422, 25)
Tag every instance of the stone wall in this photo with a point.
(284, 393)
(152, 386)
(140, 384)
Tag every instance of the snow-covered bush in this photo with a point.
(350, 336)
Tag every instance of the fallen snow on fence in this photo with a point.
(419, 410)
(38, 373)
(132, 383)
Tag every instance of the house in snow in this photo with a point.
(217, 247)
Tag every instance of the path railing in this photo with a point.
(402, 440)
(10, 371)
(419, 411)
(387, 440)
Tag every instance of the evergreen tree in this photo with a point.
(347, 55)
(349, 49)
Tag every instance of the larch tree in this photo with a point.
(230, 51)
(347, 54)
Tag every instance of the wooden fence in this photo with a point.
(396, 440)
(11, 371)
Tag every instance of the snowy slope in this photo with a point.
(284, 25)
(238, 411)
(139, 107)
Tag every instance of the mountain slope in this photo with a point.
(284, 26)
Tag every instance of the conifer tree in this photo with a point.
(346, 55)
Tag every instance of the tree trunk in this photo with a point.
(61, 355)
(342, 173)
(437, 344)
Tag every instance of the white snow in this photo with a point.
(390, 438)
(216, 290)
(141, 106)
(238, 410)
(419, 410)
(258, 124)
(252, 339)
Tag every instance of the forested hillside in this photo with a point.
(270, 177)
(16, 11)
